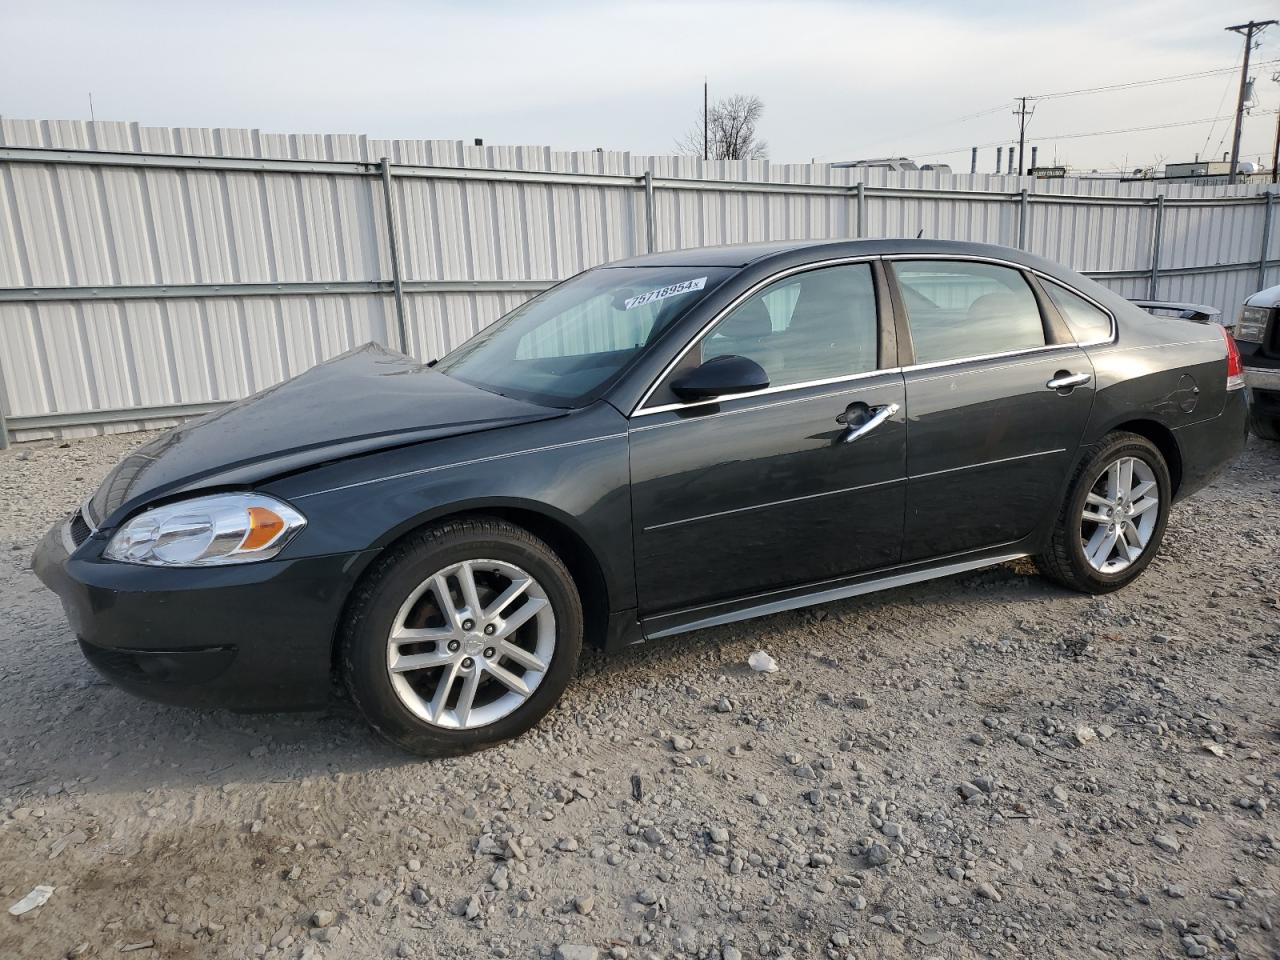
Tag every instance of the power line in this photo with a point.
(1131, 84)
(1204, 150)
(1127, 85)
(981, 113)
(1093, 133)
(936, 126)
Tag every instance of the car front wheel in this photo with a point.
(464, 635)
(1114, 517)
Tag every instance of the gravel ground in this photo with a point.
(981, 766)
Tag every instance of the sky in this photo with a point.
(839, 80)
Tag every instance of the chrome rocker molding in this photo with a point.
(795, 602)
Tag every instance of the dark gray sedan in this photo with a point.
(658, 445)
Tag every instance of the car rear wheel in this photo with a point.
(1264, 426)
(464, 635)
(1114, 517)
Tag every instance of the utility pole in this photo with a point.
(1275, 151)
(705, 151)
(1022, 113)
(1247, 30)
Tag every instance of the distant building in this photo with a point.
(1211, 171)
(1203, 168)
(896, 164)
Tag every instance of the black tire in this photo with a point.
(1064, 560)
(1264, 426)
(377, 600)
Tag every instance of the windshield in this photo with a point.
(565, 346)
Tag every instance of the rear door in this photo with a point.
(767, 490)
(998, 395)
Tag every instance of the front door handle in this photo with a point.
(878, 416)
(1062, 380)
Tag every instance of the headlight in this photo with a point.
(207, 531)
(1252, 324)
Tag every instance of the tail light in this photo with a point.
(1235, 369)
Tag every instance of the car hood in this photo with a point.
(1270, 297)
(365, 400)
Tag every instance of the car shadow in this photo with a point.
(994, 586)
(95, 738)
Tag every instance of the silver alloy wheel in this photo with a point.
(1120, 515)
(471, 643)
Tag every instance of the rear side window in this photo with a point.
(957, 309)
(817, 325)
(1086, 322)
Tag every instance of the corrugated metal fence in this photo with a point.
(152, 273)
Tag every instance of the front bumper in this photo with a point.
(254, 637)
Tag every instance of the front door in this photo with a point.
(997, 406)
(785, 486)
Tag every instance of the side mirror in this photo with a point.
(720, 377)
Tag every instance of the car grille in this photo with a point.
(80, 529)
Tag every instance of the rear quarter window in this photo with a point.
(1087, 323)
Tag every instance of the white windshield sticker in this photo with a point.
(685, 286)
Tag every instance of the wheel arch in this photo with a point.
(544, 522)
(1164, 440)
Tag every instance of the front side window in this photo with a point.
(564, 347)
(1087, 323)
(957, 309)
(816, 325)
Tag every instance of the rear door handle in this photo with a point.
(1066, 381)
(879, 416)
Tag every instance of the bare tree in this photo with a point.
(730, 131)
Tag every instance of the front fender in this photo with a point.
(574, 472)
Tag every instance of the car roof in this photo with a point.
(744, 254)
(783, 254)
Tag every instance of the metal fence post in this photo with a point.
(1262, 262)
(862, 209)
(1023, 210)
(1157, 232)
(397, 283)
(650, 234)
(4, 427)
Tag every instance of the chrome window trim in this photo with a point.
(1039, 274)
(1110, 338)
(639, 409)
(666, 407)
(1027, 352)
(758, 406)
